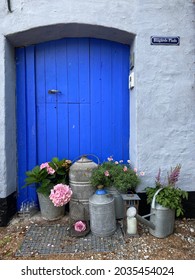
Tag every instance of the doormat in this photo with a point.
(56, 239)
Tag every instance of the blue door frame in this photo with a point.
(88, 114)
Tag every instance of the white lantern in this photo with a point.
(131, 221)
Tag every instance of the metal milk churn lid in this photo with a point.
(79, 180)
(102, 213)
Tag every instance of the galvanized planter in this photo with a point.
(50, 212)
(118, 202)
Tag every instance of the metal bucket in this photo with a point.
(118, 202)
(79, 181)
(163, 218)
(102, 214)
(50, 212)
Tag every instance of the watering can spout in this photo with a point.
(142, 220)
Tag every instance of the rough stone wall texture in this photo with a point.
(162, 101)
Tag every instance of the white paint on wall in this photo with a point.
(162, 120)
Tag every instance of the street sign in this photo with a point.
(161, 40)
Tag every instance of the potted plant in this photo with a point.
(116, 177)
(115, 173)
(51, 182)
(169, 195)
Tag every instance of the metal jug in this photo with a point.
(102, 213)
(79, 181)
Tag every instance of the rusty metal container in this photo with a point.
(79, 181)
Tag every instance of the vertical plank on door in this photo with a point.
(51, 131)
(95, 89)
(74, 131)
(83, 70)
(41, 104)
(63, 131)
(50, 71)
(106, 99)
(51, 101)
(21, 121)
(84, 96)
(125, 101)
(62, 99)
(85, 129)
(117, 106)
(31, 116)
(61, 71)
(73, 75)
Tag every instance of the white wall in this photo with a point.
(163, 100)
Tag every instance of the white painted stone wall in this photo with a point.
(163, 100)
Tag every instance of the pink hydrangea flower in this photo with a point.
(60, 195)
(80, 226)
(106, 173)
(50, 170)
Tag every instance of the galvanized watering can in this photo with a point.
(162, 219)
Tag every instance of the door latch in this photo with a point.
(53, 91)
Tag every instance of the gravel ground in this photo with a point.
(178, 246)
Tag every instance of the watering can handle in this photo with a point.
(154, 197)
(85, 155)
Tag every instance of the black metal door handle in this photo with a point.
(53, 91)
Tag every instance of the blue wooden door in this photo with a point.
(72, 99)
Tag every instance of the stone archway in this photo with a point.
(62, 30)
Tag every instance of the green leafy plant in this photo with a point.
(170, 196)
(48, 174)
(127, 179)
(117, 174)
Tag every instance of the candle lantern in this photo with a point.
(131, 228)
(131, 206)
(131, 200)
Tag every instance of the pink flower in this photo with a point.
(110, 158)
(116, 162)
(106, 173)
(142, 173)
(50, 170)
(80, 226)
(125, 168)
(135, 170)
(60, 195)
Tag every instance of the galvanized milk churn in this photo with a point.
(163, 218)
(79, 181)
(102, 213)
